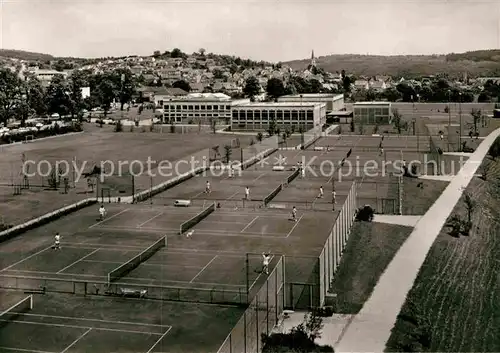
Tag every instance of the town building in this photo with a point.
(334, 102)
(372, 112)
(258, 115)
(201, 107)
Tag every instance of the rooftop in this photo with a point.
(315, 95)
(281, 104)
(372, 103)
(205, 96)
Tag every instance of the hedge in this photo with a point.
(46, 218)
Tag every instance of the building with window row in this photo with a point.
(372, 113)
(258, 115)
(198, 107)
(334, 102)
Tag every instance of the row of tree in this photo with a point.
(25, 98)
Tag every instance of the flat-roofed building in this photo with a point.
(372, 112)
(334, 102)
(199, 107)
(258, 115)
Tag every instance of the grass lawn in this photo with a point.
(419, 194)
(370, 249)
(453, 305)
(91, 147)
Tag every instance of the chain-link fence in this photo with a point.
(260, 317)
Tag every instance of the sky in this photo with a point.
(270, 30)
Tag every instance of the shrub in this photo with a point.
(119, 126)
(365, 213)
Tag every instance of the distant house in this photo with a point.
(361, 84)
(46, 76)
(378, 85)
(161, 94)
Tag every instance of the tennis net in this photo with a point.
(292, 176)
(15, 310)
(131, 264)
(272, 195)
(190, 223)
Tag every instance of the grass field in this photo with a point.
(370, 249)
(453, 303)
(89, 148)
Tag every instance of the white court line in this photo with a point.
(249, 224)
(142, 264)
(260, 274)
(95, 320)
(79, 327)
(27, 258)
(107, 219)
(76, 341)
(230, 197)
(203, 269)
(295, 225)
(260, 176)
(24, 350)
(52, 273)
(80, 259)
(159, 339)
(245, 235)
(149, 220)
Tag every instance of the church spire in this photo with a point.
(313, 59)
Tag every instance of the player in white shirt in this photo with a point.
(247, 193)
(57, 242)
(294, 214)
(320, 192)
(102, 212)
(207, 188)
(334, 197)
(266, 259)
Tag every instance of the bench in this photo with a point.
(129, 292)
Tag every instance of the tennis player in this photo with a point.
(57, 242)
(207, 188)
(334, 198)
(294, 214)
(266, 258)
(247, 193)
(102, 212)
(320, 196)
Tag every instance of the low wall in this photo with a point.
(46, 218)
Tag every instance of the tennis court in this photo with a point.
(64, 323)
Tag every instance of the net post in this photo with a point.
(247, 265)
(31, 301)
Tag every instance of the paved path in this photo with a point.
(371, 328)
(409, 221)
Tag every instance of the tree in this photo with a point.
(213, 124)
(476, 117)
(58, 97)
(397, 120)
(314, 86)
(156, 54)
(271, 130)
(202, 51)
(252, 87)
(227, 153)
(76, 104)
(346, 82)
(106, 91)
(35, 96)
(470, 205)
(125, 84)
(11, 92)
(260, 136)
(119, 126)
(494, 151)
(275, 88)
(182, 85)
(176, 53)
(391, 94)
